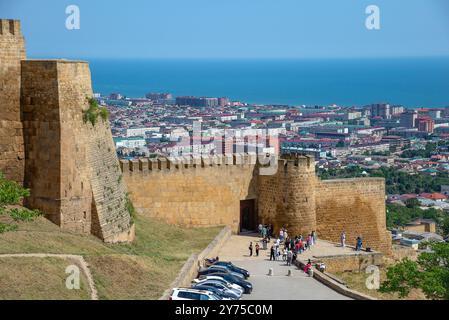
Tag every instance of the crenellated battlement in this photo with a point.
(147, 165)
(299, 160)
(10, 28)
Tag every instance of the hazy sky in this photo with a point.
(232, 28)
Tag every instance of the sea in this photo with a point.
(412, 82)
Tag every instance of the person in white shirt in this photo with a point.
(343, 239)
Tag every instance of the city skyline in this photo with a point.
(203, 29)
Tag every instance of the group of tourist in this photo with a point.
(292, 246)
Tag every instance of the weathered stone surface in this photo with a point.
(12, 51)
(71, 166)
(293, 197)
(203, 196)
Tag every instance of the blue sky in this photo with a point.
(232, 28)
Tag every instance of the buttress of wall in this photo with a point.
(191, 195)
(356, 206)
(88, 152)
(41, 121)
(72, 170)
(287, 198)
(12, 51)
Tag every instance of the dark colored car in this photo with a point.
(246, 285)
(221, 269)
(217, 291)
(232, 267)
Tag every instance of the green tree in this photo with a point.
(412, 203)
(430, 273)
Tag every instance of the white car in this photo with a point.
(230, 285)
(224, 287)
(192, 294)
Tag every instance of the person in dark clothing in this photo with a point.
(272, 254)
(257, 249)
(250, 249)
(358, 244)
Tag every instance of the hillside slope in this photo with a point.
(141, 270)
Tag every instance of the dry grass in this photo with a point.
(356, 281)
(141, 270)
(37, 279)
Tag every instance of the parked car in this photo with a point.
(232, 267)
(221, 269)
(231, 285)
(220, 285)
(222, 293)
(192, 294)
(246, 285)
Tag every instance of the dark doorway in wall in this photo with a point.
(248, 217)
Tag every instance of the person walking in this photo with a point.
(359, 243)
(257, 249)
(315, 236)
(343, 239)
(297, 247)
(264, 232)
(250, 249)
(272, 252)
(289, 257)
(309, 242)
(260, 229)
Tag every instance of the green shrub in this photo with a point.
(11, 192)
(7, 227)
(23, 214)
(130, 207)
(94, 110)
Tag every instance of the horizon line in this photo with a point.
(445, 56)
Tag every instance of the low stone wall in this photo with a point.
(190, 269)
(402, 252)
(334, 285)
(354, 262)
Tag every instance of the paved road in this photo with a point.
(298, 286)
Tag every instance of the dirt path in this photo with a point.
(79, 259)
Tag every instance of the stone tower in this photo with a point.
(12, 51)
(69, 165)
(287, 199)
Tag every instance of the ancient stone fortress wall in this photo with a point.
(287, 198)
(356, 206)
(71, 167)
(206, 191)
(192, 191)
(12, 51)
